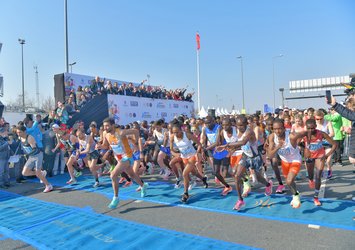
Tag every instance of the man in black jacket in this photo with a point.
(349, 113)
(4, 162)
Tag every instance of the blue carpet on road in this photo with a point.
(333, 213)
(47, 225)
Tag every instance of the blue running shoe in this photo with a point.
(144, 189)
(114, 203)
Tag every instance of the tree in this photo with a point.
(48, 104)
(29, 102)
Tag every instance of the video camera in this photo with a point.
(350, 88)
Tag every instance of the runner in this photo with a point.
(251, 158)
(209, 135)
(226, 135)
(327, 128)
(117, 140)
(34, 157)
(275, 161)
(182, 141)
(315, 154)
(284, 143)
(88, 153)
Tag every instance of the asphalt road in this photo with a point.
(245, 230)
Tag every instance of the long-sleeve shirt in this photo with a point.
(350, 115)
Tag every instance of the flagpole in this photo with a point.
(198, 70)
(198, 80)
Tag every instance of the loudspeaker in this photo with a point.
(212, 112)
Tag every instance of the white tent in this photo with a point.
(218, 112)
(202, 113)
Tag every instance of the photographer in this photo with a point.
(4, 158)
(349, 113)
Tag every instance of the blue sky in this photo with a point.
(126, 40)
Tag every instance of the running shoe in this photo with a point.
(311, 184)
(144, 189)
(150, 168)
(265, 176)
(71, 182)
(178, 183)
(280, 189)
(217, 181)
(127, 184)
(184, 198)
(122, 179)
(204, 180)
(238, 205)
(96, 185)
(246, 188)
(44, 174)
(48, 189)
(114, 203)
(330, 174)
(192, 185)
(166, 174)
(226, 190)
(316, 201)
(296, 201)
(138, 189)
(268, 190)
(78, 173)
(254, 180)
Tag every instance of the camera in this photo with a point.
(350, 88)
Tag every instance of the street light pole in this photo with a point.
(282, 95)
(66, 36)
(241, 68)
(71, 66)
(22, 42)
(273, 76)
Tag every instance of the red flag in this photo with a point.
(198, 41)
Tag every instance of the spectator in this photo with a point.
(62, 113)
(82, 101)
(337, 123)
(109, 88)
(349, 113)
(79, 92)
(52, 117)
(88, 93)
(115, 88)
(4, 165)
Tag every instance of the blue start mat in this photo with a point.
(47, 225)
(332, 213)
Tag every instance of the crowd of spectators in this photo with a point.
(100, 86)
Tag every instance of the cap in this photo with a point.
(55, 126)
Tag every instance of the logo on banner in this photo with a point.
(160, 105)
(146, 115)
(134, 104)
(148, 104)
(125, 103)
(164, 114)
(176, 106)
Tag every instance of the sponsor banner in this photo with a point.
(126, 109)
(73, 81)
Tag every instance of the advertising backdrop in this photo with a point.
(126, 109)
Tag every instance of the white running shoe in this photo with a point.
(44, 174)
(192, 185)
